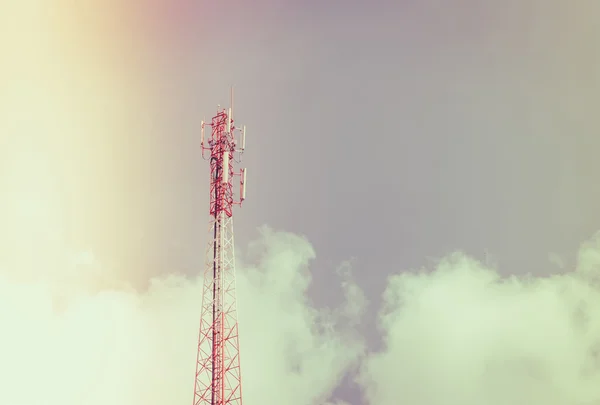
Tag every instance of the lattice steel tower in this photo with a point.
(218, 377)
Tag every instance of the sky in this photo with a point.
(421, 212)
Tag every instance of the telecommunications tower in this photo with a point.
(218, 378)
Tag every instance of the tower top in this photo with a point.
(225, 146)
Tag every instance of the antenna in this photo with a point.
(225, 167)
(243, 138)
(243, 185)
(231, 103)
(202, 133)
(229, 121)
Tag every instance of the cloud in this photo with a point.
(464, 334)
(298, 350)
(115, 345)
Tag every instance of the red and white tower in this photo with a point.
(218, 377)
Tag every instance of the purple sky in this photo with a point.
(387, 133)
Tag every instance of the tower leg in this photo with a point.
(218, 377)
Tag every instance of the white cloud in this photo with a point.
(118, 346)
(290, 346)
(462, 334)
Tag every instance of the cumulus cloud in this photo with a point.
(298, 350)
(464, 334)
(119, 346)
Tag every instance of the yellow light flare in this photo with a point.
(32, 199)
(73, 106)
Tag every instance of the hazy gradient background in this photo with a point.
(385, 132)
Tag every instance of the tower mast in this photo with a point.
(218, 377)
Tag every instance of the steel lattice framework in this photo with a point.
(218, 377)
